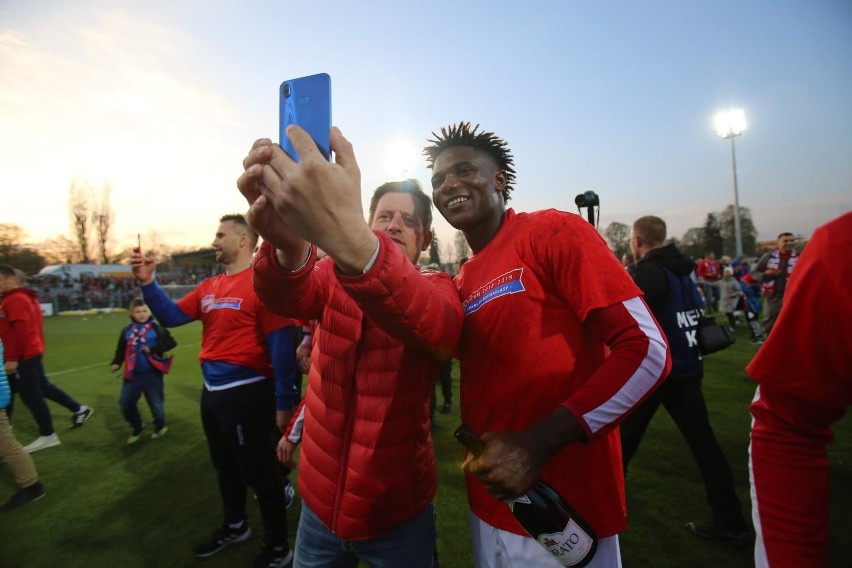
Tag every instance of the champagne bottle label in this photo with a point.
(570, 546)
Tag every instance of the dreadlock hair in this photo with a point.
(462, 134)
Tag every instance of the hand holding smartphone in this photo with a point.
(306, 102)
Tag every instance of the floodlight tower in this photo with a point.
(729, 125)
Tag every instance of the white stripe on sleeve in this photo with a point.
(642, 380)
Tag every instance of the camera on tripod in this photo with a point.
(587, 199)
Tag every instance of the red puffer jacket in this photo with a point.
(367, 463)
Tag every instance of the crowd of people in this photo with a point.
(66, 293)
(564, 358)
(748, 288)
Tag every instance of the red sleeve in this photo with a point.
(422, 310)
(299, 294)
(638, 363)
(190, 303)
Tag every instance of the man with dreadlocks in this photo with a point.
(547, 401)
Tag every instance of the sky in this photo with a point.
(161, 100)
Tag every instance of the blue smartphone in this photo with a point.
(306, 101)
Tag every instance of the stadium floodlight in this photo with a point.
(730, 124)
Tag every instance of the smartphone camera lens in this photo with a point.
(285, 90)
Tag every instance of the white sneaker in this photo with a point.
(43, 442)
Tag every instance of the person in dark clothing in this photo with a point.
(664, 275)
(141, 346)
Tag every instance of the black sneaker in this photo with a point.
(26, 495)
(273, 557)
(81, 416)
(448, 407)
(222, 537)
(739, 539)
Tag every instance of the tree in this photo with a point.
(60, 250)
(14, 253)
(11, 236)
(747, 230)
(80, 209)
(692, 242)
(618, 236)
(449, 253)
(462, 249)
(712, 238)
(102, 219)
(434, 254)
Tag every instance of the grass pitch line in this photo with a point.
(95, 365)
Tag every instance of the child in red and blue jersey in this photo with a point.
(141, 348)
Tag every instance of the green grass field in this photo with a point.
(109, 504)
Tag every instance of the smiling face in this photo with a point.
(396, 216)
(466, 189)
(786, 243)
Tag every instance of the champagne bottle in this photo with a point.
(546, 516)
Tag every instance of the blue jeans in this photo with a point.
(712, 294)
(411, 544)
(151, 385)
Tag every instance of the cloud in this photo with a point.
(105, 94)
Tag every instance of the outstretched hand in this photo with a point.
(315, 200)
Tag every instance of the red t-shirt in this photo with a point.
(708, 270)
(807, 355)
(235, 321)
(525, 350)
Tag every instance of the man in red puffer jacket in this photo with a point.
(367, 467)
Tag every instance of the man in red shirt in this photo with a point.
(544, 301)
(22, 333)
(247, 360)
(710, 278)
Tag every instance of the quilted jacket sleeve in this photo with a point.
(300, 294)
(420, 309)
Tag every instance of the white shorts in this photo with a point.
(495, 548)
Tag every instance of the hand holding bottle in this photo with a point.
(541, 511)
(508, 464)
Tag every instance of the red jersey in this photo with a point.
(21, 324)
(527, 348)
(235, 322)
(708, 270)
